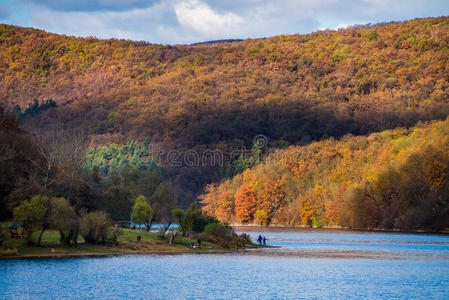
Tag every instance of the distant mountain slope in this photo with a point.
(359, 80)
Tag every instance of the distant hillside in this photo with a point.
(393, 179)
(294, 89)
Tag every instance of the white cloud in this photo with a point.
(341, 26)
(201, 18)
(338, 27)
(188, 21)
(136, 24)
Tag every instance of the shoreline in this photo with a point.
(339, 228)
(159, 249)
(129, 242)
(106, 254)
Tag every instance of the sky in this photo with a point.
(189, 21)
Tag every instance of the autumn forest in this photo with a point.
(355, 125)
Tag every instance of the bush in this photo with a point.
(95, 226)
(9, 252)
(245, 238)
(200, 222)
(224, 236)
(64, 219)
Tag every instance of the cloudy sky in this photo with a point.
(188, 21)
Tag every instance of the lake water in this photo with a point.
(309, 264)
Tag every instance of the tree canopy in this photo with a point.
(142, 212)
(393, 179)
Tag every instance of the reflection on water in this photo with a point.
(308, 264)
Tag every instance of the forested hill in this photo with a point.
(294, 89)
(396, 179)
(321, 84)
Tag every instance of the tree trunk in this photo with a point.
(62, 237)
(149, 225)
(40, 235)
(69, 193)
(75, 238)
(166, 226)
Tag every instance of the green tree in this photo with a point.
(179, 215)
(162, 203)
(142, 212)
(119, 192)
(31, 214)
(95, 226)
(45, 221)
(186, 218)
(64, 219)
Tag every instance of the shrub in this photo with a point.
(95, 226)
(64, 219)
(200, 222)
(8, 252)
(224, 236)
(243, 240)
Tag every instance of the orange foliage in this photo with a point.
(393, 179)
(245, 203)
(225, 209)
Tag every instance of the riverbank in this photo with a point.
(338, 228)
(75, 254)
(128, 243)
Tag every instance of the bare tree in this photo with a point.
(49, 144)
(73, 154)
(66, 148)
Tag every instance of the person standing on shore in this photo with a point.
(259, 239)
(264, 241)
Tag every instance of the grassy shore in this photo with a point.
(150, 243)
